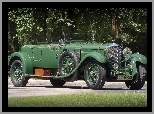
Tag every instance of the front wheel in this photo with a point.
(95, 75)
(16, 73)
(139, 80)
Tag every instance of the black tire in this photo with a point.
(57, 82)
(65, 70)
(101, 75)
(139, 79)
(17, 76)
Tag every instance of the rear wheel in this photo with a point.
(139, 79)
(95, 75)
(57, 82)
(17, 75)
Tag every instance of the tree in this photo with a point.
(127, 26)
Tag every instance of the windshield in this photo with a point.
(45, 40)
(80, 37)
(42, 40)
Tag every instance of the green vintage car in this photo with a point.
(78, 57)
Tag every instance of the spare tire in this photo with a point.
(67, 63)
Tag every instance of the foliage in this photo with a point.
(128, 24)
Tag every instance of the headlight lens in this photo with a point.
(116, 66)
(127, 52)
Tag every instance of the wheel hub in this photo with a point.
(143, 73)
(67, 65)
(93, 74)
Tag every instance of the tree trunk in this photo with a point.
(74, 29)
(45, 15)
(115, 26)
(13, 32)
(15, 44)
(49, 26)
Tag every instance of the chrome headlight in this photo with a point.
(108, 52)
(127, 52)
(116, 66)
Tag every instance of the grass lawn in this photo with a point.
(82, 100)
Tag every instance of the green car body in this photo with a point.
(67, 62)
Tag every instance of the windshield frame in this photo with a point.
(69, 38)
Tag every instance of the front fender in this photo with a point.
(27, 64)
(134, 59)
(95, 55)
(140, 58)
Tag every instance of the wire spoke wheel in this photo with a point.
(138, 80)
(67, 65)
(17, 74)
(95, 75)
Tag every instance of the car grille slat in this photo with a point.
(115, 55)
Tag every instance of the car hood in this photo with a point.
(88, 46)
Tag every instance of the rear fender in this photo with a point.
(25, 59)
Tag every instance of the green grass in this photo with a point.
(82, 100)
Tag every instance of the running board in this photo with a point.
(55, 77)
(27, 75)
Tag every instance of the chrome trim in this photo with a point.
(113, 52)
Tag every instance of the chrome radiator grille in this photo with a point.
(114, 56)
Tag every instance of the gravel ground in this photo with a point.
(44, 87)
